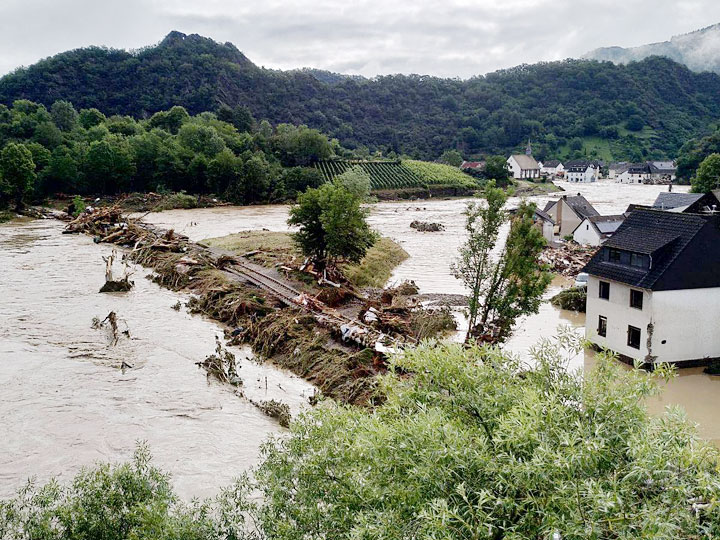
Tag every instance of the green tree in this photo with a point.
(108, 166)
(201, 139)
(451, 157)
(333, 224)
(90, 117)
(474, 266)
(496, 169)
(356, 181)
(17, 172)
(64, 115)
(708, 175)
(467, 443)
(518, 281)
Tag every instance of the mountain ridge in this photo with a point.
(699, 50)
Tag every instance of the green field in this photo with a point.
(399, 174)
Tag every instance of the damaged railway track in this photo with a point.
(340, 355)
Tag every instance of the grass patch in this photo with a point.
(270, 248)
(177, 200)
(377, 266)
(523, 188)
(439, 173)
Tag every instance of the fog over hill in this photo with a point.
(699, 50)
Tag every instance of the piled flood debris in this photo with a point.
(221, 365)
(568, 259)
(288, 329)
(426, 226)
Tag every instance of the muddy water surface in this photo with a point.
(65, 402)
(429, 267)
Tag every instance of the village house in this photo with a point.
(568, 212)
(523, 166)
(615, 169)
(691, 203)
(636, 173)
(472, 166)
(653, 292)
(594, 230)
(545, 223)
(582, 171)
(661, 172)
(551, 167)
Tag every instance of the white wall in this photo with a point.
(514, 167)
(687, 320)
(587, 235)
(589, 175)
(619, 315)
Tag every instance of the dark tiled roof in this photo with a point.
(544, 215)
(581, 206)
(638, 168)
(664, 235)
(668, 200)
(551, 163)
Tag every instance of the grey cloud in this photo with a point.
(445, 38)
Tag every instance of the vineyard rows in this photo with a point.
(384, 174)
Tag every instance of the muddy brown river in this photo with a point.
(65, 401)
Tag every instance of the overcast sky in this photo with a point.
(449, 38)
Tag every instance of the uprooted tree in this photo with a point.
(505, 287)
(332, 222)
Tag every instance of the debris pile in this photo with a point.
(567, 260)
(426, 226)
(275, 409)
(221, 365)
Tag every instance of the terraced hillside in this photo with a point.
(396, 174)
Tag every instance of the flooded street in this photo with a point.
(429, 266)
(65, 401)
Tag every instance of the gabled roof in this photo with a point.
(638, 168)
(472, 165)
(544, 215)
(662, 167)
(606, 225)
(619, 166)
(667, 200)
(665, 237)
(525, 162)
(580, 165)
(551, 163)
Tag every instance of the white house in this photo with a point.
(582, 171)
(661, 172)
(551, 167)
(568, 212)
(615, 169)
(636, 173)
(594, 230)
(523, 166)
(654, 289)
(545, 223)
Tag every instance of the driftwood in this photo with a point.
(425, 226)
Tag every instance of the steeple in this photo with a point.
(528, 150)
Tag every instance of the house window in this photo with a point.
(614, 256)
(639, 260)
(602, 326)
(633, 337)
(636, 299)
(604, 290)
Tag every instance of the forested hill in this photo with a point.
(644, 109)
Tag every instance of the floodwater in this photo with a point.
(65, 402)
(432, 253)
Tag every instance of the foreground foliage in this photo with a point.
(473, 446)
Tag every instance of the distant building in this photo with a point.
(691, 203)
(523, 166)
(636, 173)
(615, 169)
(661, 172)
(594, 230)
(654, 288)
(551, 167)
(545, 223)
(568, 212)
(474, 166)
(582, 171)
